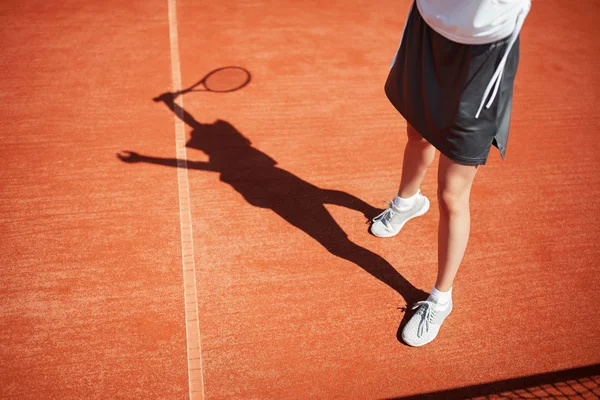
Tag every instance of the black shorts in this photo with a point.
(438, 85)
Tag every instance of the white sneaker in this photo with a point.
(389, 222)
(424, 326)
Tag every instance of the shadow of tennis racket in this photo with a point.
(220, 80)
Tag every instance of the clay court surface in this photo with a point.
(248, 271)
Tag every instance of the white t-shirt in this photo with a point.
(473, 21)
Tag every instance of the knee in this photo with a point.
(452, 202)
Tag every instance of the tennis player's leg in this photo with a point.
(418, 155)
(409, 203)
(454, 190)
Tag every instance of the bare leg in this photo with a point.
(418, 155)
(454, 188)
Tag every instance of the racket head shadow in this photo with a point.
(226, 79)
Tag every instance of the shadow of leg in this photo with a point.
(312, 218)
(386, 273)
(352, 202)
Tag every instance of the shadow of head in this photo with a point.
(227, 147)
(218, 137)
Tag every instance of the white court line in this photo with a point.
(192, 323)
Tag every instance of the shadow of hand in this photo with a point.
(166, 97)
(129, 156)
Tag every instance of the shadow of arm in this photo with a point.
(132, 157)
(169, 100)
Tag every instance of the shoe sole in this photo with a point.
(420, 344)
(422, 211)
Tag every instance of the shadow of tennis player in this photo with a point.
(255, 176)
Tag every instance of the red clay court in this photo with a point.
(232, 260)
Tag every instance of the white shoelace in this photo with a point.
(386, 216)
(428, 315)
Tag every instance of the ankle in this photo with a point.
(403, 204)
(441, 297)
(407, 194)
